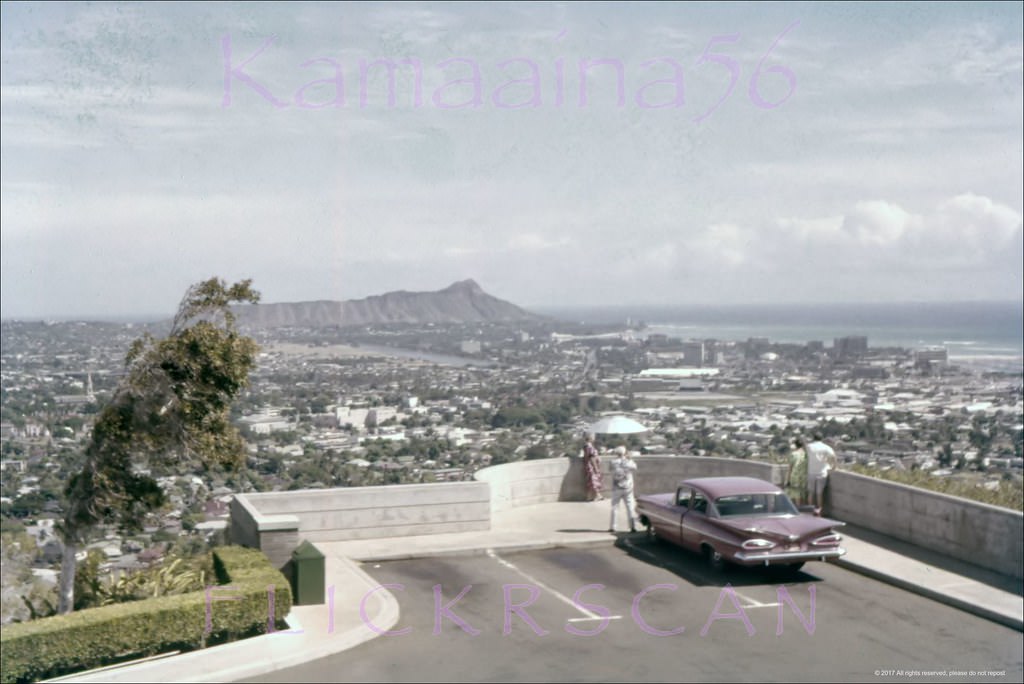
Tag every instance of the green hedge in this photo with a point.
(91, 638)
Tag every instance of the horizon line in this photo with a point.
(158, 317)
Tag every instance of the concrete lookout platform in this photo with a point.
(523, 506)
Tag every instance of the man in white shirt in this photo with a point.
(622, 468)
(820, 460)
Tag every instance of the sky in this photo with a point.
(560, 154)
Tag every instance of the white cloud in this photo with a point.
(722, 245)
(535, 242)
(114, 135)
(966, 231)
(876, 224)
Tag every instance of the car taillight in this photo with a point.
(758, 544)
(828, 540)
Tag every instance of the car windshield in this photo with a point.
(755, 504)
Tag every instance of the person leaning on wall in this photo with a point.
(821, 459)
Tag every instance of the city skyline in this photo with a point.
(568, 155)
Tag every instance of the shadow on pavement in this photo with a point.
(692, 567)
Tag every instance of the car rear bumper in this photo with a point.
(784, 557)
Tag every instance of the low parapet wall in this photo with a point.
(275, 535)
(275, 522)
(988, 536)
(661, 473)
(525, 483)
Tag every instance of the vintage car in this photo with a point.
(741, 520)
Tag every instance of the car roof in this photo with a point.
(728, 486)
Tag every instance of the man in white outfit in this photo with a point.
(622, 468)
(820, 459)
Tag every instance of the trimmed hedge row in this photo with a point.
(238, 607)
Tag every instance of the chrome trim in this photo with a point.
(833, 537)
(768, 558)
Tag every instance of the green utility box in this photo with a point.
(307, 575)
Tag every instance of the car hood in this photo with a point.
(783, 527)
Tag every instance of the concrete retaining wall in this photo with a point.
(562, 479)
(978, 533)
(275, 522)
(662, 473)
(525, 483)
(275, 535)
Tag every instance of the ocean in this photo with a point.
(988, 333)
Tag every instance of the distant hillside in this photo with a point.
(461, 302)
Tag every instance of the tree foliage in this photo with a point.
(173, 404)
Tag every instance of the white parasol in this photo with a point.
(616, 425)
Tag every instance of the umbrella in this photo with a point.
(616, 425)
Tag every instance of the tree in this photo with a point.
(173, 404)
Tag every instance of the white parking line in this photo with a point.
(753, 603)
(561, 597)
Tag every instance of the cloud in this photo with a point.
(873, 241)
(725, 244)
(535, 242)
(876, 223)
(965, 231)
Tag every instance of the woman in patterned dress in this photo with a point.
(592, 470)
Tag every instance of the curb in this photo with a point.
(913, 588)
(510, 547)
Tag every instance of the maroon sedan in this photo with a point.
(739, 520)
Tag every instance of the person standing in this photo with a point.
(796, 476)
(622, 470)
(593, 477)
(820, 460)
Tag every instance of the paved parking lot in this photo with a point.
(641, 611)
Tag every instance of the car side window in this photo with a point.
(683, 497)
(700, 502)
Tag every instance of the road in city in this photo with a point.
(659, 615)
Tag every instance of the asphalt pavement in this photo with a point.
(356, 609)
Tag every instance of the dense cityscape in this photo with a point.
(390, 404)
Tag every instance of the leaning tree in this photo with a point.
(172, 405)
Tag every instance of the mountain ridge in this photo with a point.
(463, 301)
